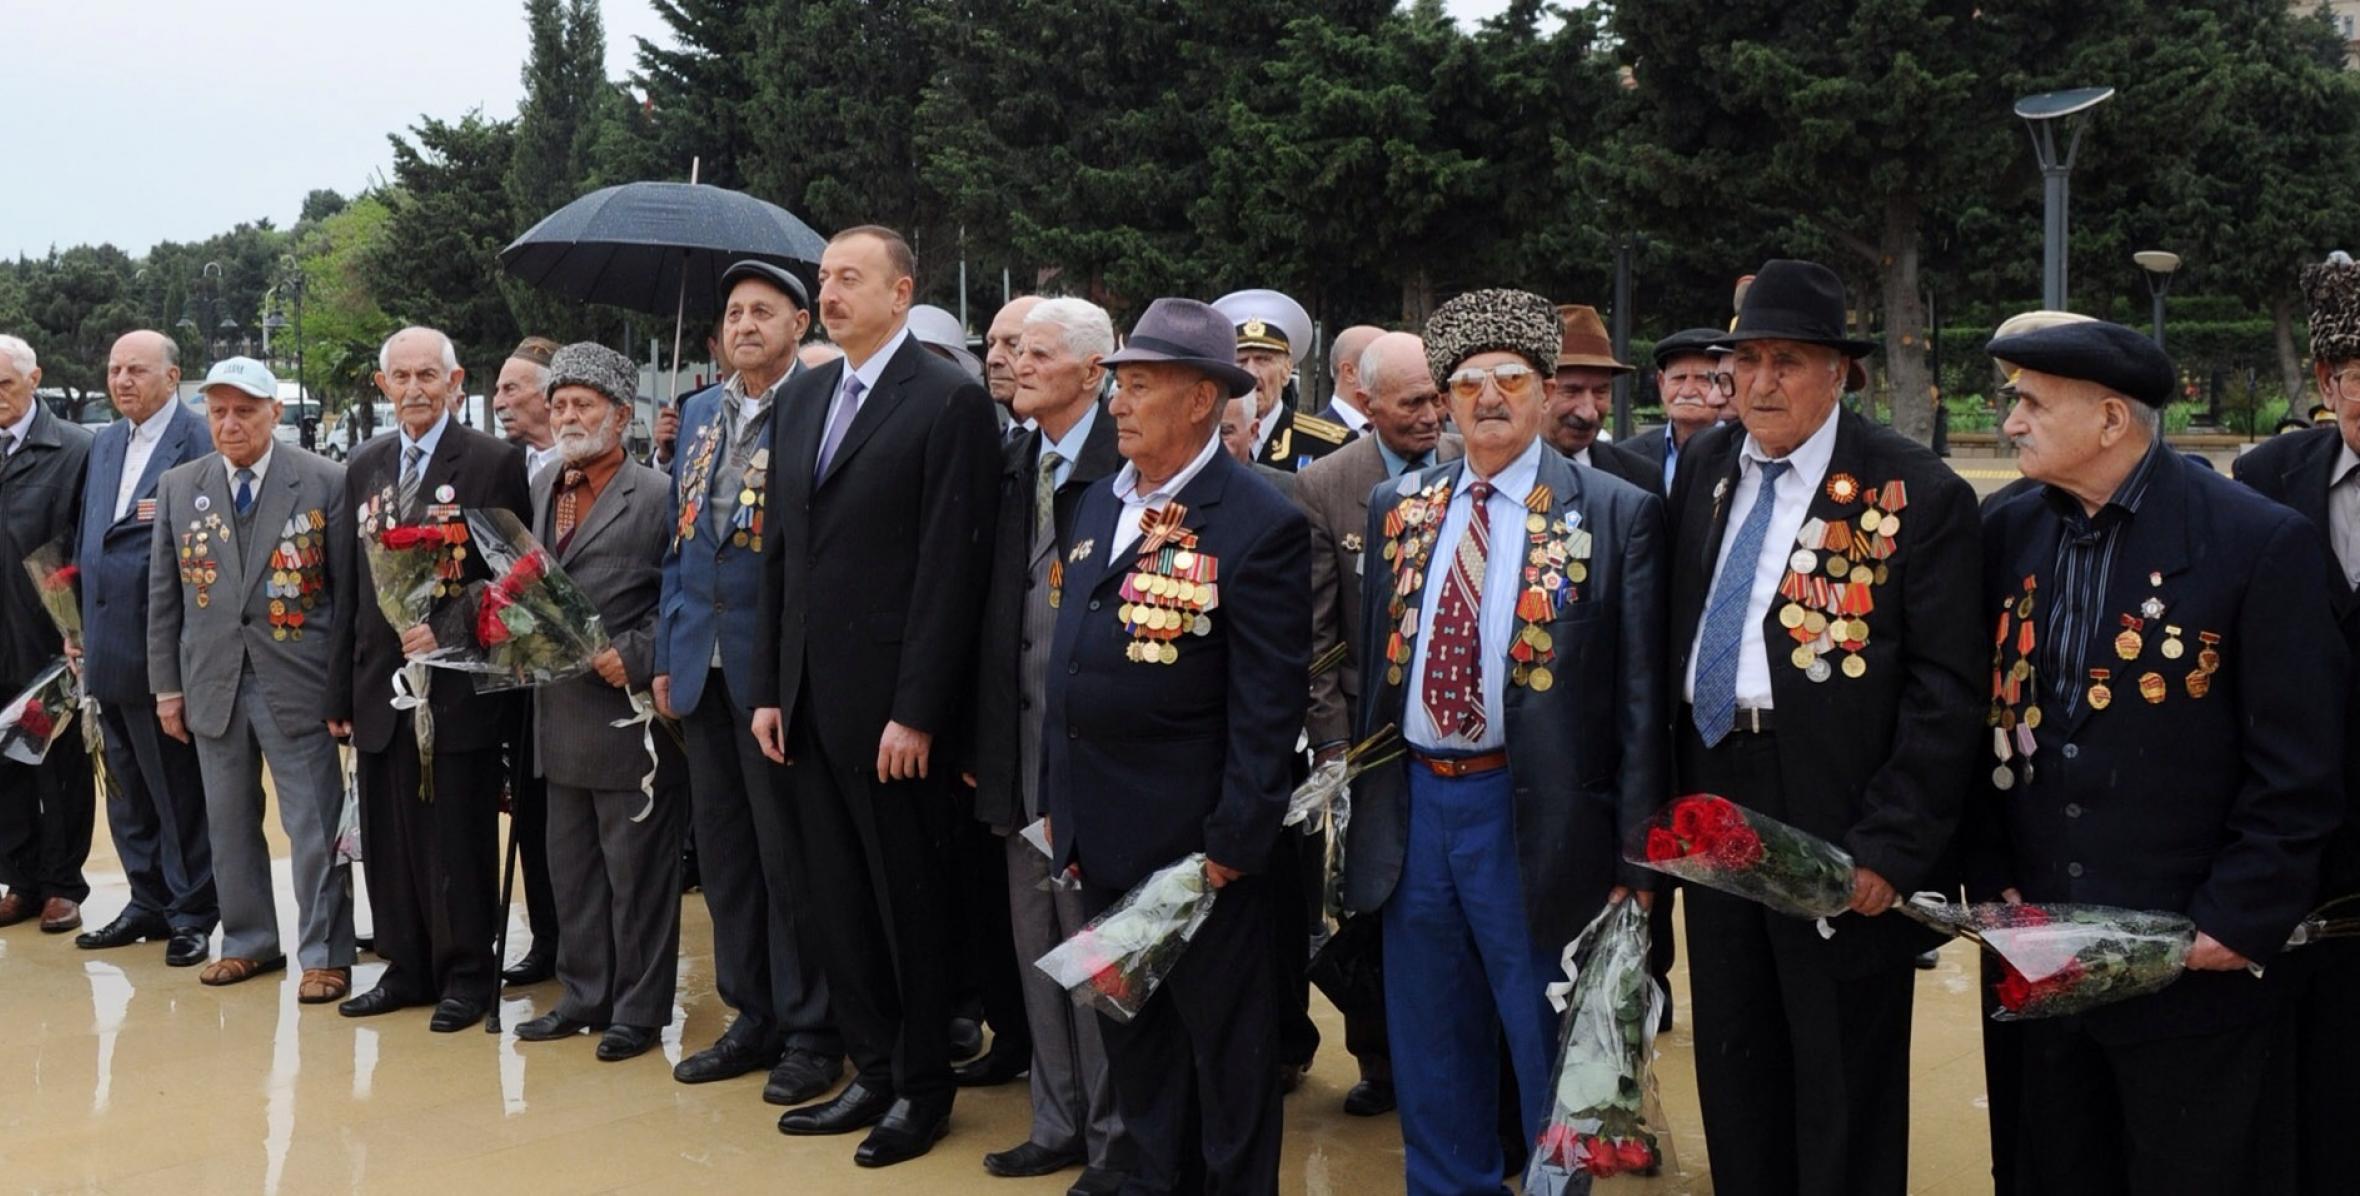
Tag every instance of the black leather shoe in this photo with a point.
(550, 1027)
(907, 1130)
(1369, 1098)
(856, 1108)
(1097, 1181)
(966, 1039)
(126, 929)
(725, 1060)
(455, 1014)
(534, 968)
(1290, 1077)
(626, 1042)
(371, 1003)
(1928, 959)
(188, 948)
(801, 1076)
(1031, 1158)
(991, 1071)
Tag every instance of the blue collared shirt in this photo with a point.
(1671, 459)
(1396, 464)
(1496, 621)
(1069, 446)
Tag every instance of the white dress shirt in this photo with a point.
(1266, 423)
(1807, 468)
(13, 436)
(1137, 505)
(1069, 446)
(869, 372)
(537, 459)
(144, 438)
(1351, 416)
(1496, 622)
(261, 468)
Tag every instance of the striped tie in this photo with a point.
(1045, 494)
(1724, 615)
(411, 455)
(1453, 689)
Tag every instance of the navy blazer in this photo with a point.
(2213, 806)
(1588, 756)
(1145, 763)
(113, 554)
(712, 588)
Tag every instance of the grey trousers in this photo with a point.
(310, 789)
(618, 904)
(1072, 1092)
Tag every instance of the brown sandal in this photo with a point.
(232, 970)
(322, 985)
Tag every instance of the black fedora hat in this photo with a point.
(1187, 332)
(1795, 301)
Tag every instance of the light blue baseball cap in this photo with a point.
(243, 374)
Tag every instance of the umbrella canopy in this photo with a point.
(658, 247)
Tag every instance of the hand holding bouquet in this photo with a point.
(1117, 961)
(533, 624)
(1604, 1118)
(57, 581)
(1719, 844)
(2065, 958)
(414, 566)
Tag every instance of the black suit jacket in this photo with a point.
(1587, 755)
(2294, 470)
(873, 576)
(1879, 764)
(1146, 763)
(483, 472)
(40, 501)
(2212, 806)
(999, 790)
(1611, 458)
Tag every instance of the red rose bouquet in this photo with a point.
(533, 624)
(1116, 962)
(34, 719)
(2065, 958)
(1604, 1116)
(413, 566)
(1719, 844)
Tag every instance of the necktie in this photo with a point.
(840, 422)
(411, 454)
(245, 495)
(1724, 615)
(568, 496)
(1453, 689)
(1045, 494)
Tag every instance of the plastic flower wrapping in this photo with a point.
(2064, 958)
(1115, 963)
(1605, 1118)
(1721, 845)
(37, 717)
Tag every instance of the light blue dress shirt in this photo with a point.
(1495, 622)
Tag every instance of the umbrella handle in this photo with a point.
(680, 309)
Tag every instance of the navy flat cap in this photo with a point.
(777, 276)
(2117, 358)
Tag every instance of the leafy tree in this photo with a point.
(342, 323)
(556, 127)
(320, 204)
(697, 85)
(77, 302)
(438, 262)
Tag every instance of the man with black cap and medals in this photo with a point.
(1513, 633)
(763, 966)
(1273, 333)
(1824, 636)
(2170, 691)
(1689, 378)
(2317, 472)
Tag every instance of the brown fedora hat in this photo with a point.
(1585, 340)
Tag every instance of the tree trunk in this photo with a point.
(1905, 322)
(2290, 362)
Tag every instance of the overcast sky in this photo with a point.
(138, 121)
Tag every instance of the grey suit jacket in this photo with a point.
(270, 601)
(1333, 492)
(616, 556)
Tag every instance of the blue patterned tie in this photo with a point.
(245, 495)
(1724, 615)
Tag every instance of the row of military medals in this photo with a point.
(1827, 613)
(2131, 641)
(295, 582)
(746, 521)
(443, 515)
(2013, 718)
(198, 568)
(1556, 564)
(1171, 589)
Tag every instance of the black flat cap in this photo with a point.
(1690, 340)
(2115, 357)
(777, 276)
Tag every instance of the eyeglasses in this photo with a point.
(2347, 382)
(1513, 381)
(1722, 381)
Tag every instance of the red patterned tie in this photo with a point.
(1454, 657)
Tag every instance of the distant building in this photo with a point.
(2346, 15)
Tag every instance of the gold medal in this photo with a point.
(1837, 566)
(746, 497)
(1536, 523)
(1881, 574)
(1540, 678)
(1803, 657)
(204, 599)
(1855, 665)
(1814, 622)
(2032, 717)
(2199, 684)
(1393, 674)
(1131, 651)
(278, 633)
(2172, 648)
(1184, 559)
(2127, 644)
(2152, 687)
(1170, 654)
(1577, 572)
(2100, 696)
(1790, 616)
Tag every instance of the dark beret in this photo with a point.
(777, 276)
(2115, 357)
(1691, 340)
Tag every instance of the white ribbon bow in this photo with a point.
(643, 716)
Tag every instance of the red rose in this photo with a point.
(36, 721)
(532, 567)
(1600, 1160)
(1112, 982)
(1663, 845)
(1737, 849)
(2013, 991)
(490, 630)
(2027, 915)
(1688, 819)
(62, 579)
(1556, 1144)
(1634, 1154)
(403, 538)
(1722, 815)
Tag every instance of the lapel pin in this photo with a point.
(444, 493)
(204, 503)
(1081, 551)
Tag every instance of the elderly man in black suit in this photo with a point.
(1177, 684)
(433, 852)
(2169, 705)
(2317, 473)
(1514, 642)
(1693, 386)
(874, 560)
(45, 810)
(1824, 636)
(1581, 393)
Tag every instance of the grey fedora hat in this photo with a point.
(1187, 332)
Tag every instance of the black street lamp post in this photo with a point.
(2041, 114)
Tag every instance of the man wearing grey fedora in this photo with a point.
(242, 604)
(614, 833)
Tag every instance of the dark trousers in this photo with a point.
(1195, 1074)
(620, 960)
(875, 856)
(1297, 863)
(2207, 1113)
(528, 823)
(2003, 1081)
(433, 869)
(989, 979)
(46, 814)
(156, 813)
(765, 965)
(1802, 1067)
(2327, 1063)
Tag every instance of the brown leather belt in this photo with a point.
(1453, 767)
